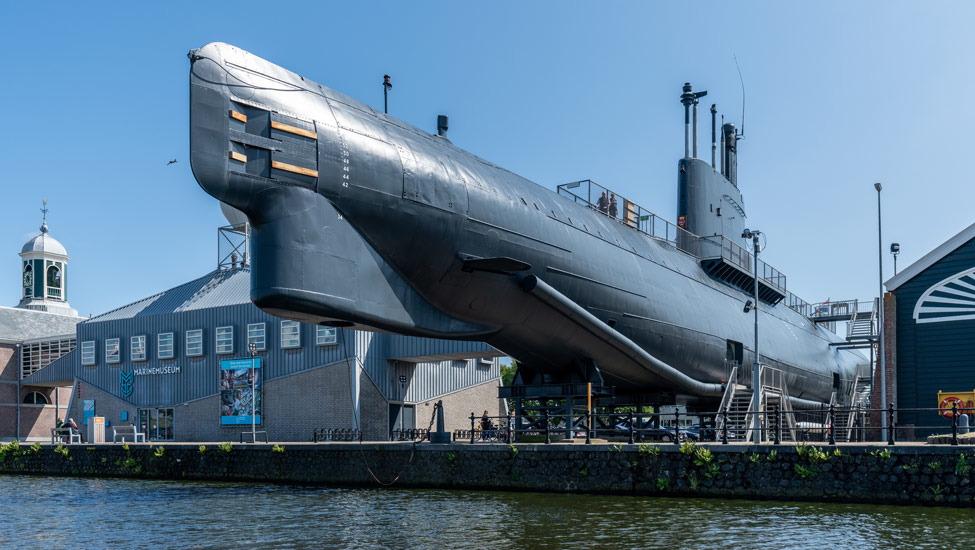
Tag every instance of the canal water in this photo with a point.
(116, 513)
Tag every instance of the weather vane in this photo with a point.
(44, 221)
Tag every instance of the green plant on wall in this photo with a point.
(202, 449)
(277, 448)
(663, 483)
(962, 467)
(648, 450)
(160, 451)
(772, 455)
(61, 450)
(226, 447)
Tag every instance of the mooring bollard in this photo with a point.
(832, 424)
(890, 425)
(724, 426)
(630, 422)
(954, 422)
(548, 434)
(472, 428)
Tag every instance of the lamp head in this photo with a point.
(746, 234)
(253, 348)
(895, 248)
(878, 187)
(749, 305)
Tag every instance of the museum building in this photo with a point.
(929, 327)
(179, 365)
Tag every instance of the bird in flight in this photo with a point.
(174, 161)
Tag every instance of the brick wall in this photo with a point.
(8, 390)
(890, 363)
(458, 406)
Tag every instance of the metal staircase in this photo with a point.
(736, 406)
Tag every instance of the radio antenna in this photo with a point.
(740, 79)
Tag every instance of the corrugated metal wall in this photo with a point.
(199, 376)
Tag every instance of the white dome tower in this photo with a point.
(44, 266)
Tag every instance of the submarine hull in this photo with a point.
(361, 220)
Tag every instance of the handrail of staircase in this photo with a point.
(729, 393)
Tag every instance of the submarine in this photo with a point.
(361, 220)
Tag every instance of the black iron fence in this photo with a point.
(774, 424)
(416, 434)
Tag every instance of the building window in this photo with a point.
(54, 282)
(225, 339)
(194, 343)
(137, 348)
(290, 334)
(35, 398)
(164, 345)
(326, 336)
(112, 352)
(88, 352)
(255, 335)
(37, 354)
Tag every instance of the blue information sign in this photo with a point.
(240, 387)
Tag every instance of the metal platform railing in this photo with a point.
(627, 212)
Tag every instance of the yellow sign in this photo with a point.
(961, 399)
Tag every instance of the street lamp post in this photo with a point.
(387, 86)
(756, 366)
(880, 318)
(252, 347)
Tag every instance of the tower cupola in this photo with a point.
(44, 266)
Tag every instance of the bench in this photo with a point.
(256, 435)
(65, 435)
(127, 431)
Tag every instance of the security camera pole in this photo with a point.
(253, 349)
(387, 85)
(756, 366)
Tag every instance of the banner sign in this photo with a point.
(240, 379)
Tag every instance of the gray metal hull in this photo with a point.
(376, 224)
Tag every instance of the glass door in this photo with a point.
(157, 424)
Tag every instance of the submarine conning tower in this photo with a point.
(709, 203)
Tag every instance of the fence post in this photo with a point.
(588, 427)
(511, 429)
(890, 425)
(778, 425)
(629, 420)
(472, 427)
(954, 423)
(832, 424)
(677, 425)
(724, 427)
(548, 434)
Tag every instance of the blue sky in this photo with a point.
(839, 95)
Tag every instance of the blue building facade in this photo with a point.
(177, 365)
(930, 331)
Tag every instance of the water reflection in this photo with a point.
(110, 513)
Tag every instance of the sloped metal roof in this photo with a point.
(215, 289)
(17, 324)
(931, 258)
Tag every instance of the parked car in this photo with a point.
(702, 433)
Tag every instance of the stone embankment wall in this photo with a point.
(893, 475)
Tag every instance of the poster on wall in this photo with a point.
(240, 380)
(88, 410)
